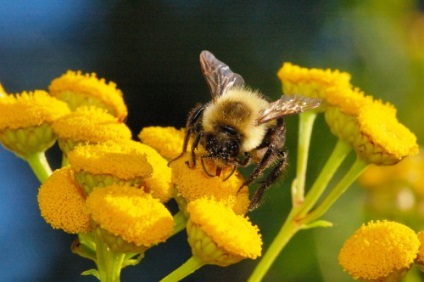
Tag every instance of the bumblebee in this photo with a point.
(239, 126)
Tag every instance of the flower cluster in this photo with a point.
(113, 191)
(368, 125)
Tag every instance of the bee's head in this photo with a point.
(223, 143)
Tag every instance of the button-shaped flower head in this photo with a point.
(25, 121)
(78, 89)
(379, 250)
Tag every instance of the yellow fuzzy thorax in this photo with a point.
(237, 108)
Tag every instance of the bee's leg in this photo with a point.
(246, 161)
(193, 148)
(273, 144)
(265, 162)
(192, 126)
(271, 178)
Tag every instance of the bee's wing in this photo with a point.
(218, 75)
(287, 105)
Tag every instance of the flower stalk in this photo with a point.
(190, 266)
(306, 123)
(39, 165)
(299, 217)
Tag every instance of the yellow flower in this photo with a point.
(168, 141)
(310, 82)
(109, 162)
(89, 125)
(25, 121)
(379, 250)
(349, 100)
(79, 89)
(372, 129)
(382, 139)
(159, 184)
(131, 218)
(62, 203)
(194, 183)
(218, 236)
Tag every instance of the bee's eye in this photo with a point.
(228, 129)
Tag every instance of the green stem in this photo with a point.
(190, 266)
(287, 231)
(109, 262)
(357, 168)
(39, 165)
(65, 161)
(340, 151)
(306, 123)
(291, 226)
(180, 222)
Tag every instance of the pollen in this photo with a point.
(159, 184)
(168, 141)
(379, 249)
(90, 125)
(79, 89)
(30, 109)
(130, 214)
(349, 100)
(62, 203)
(124, 160)
(224, 237)
(194, 183)
(25, 121)
(383, 139)
(310, 82)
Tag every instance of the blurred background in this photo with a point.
(151, 49)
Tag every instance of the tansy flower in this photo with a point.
(310, 82)
(129, 219)
(62, 203)
(102, 164)
(380, 250)
(159, 184)
(79, 89)
(194, 183)
(168, 141)
(382, 139)
(219, 236)
(372, 129)
(89, 125)
(25, 121)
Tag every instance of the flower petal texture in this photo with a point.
(131, 214)
(62, 203)
(168, 141)
(378, 249)
(234, 234)
(79, 89)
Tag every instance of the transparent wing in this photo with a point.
(218, 75)
(287, 105)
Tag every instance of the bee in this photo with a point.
(239, 126)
